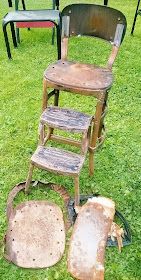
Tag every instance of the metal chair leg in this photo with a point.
(10, 3)
(29, 178)
(23, 4)
(135, 17)
(94, 136)
(105, 2)
(104, 109)
(53, 35)
(53, 29)
(45, 96)
(16, 8)
(13, 34)
(24, 8)
(58, 41)
(6, 41)
(56, 97)
(76, 189)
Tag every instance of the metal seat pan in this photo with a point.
(36, 235)
(89, 237)
(74, 75)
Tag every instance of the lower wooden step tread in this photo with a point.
(57, 160)
(65, 119)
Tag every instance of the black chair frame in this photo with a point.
(137, 12)
(12, 20)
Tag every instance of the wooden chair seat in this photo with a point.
(87, 77)
(57, 160)
(65, 119)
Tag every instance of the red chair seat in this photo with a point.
(34, 24)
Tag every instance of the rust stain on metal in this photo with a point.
(36, 231)
(86, 76)
(88, 241)
(36, 235)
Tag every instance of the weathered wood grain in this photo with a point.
(57, 161)
(66, 119)
(74, 74)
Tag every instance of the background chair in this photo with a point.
(137, 12)
(42, 24)
(84, 79)
(30, 16)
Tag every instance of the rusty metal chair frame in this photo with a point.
(112, 29)
(79, 19)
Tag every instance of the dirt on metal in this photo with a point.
(35, 236)
(88, 241)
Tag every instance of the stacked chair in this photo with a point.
(77, 78)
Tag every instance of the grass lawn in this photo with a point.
(117, 164)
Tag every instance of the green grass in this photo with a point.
(117, 164)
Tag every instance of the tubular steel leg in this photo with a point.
(57, 4)
(23, 4)
(16, 8)
(7, 42)
(41, 134)
(94, 135)
(58, 41)
(56, 97)
(53, 35)
(102, 120)
(53, 29)
(76, 188)
(29, 177)
(105, 2)
(10, 3)
(135, 17)
(13, 34)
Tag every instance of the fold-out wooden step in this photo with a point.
(66, 119)
(57, 160)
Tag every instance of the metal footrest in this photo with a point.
(66, 119)
(57, 160)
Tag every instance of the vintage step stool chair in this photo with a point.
(85, 79)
